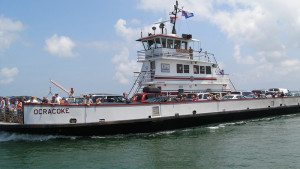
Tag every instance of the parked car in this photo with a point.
(108, 98)
(233, 97)
(279, 90)
(244, 93)
(251, 96)
(260, 93)
(142, 97)
(75, 100)
(161, 99)
(221, 94)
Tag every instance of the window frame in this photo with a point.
(179, 68)
(208, 70)
(186, 68)
(196, 69)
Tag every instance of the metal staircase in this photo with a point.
(138, 83)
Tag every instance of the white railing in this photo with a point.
(175, 54)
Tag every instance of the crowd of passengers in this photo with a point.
(57, 100)
(11, 110)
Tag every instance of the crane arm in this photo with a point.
(60, 87)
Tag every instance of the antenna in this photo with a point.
(50, 92)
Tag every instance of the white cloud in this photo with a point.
(124, 66)
(61, 46)
(249, 60)
(9, 32)
(7, 75)
(125, 32)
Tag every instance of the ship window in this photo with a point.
(202, 69)
(158, 43)
(177, 44)
(145, 45)
(179, 68)
(186, 69)
(170, 43)
(151, 44)
(196, 69)
(208, 70)
(183, 45)
(163, 42)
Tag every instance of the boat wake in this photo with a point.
(223, 125)
(8, 137)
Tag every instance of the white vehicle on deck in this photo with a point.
(233, 97)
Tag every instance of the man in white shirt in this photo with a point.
(57, 99)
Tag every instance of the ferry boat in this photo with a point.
(172, 64)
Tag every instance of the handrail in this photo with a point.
(195, 56)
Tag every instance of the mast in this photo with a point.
(175, 12)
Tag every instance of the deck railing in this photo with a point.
(11, 116)
(175, 54)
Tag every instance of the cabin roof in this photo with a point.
(172, 36)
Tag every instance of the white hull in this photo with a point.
(49, 114)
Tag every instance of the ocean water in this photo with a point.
(261, 143)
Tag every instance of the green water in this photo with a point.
(262, 143)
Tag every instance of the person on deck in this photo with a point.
(71, 92)
(88, 101)
(57, 98)
(2, 105)
(32, 100)
(45, 100)
(191, 53)
(98, 101)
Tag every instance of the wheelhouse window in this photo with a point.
(196, 69)
(151, 44)
(202, 69)
(145, 45)
(177, 44)
(179, 68)
(186, 68)
(164, 42)
(170, 43)
(158, 43)
(184, 45)
(208, 70)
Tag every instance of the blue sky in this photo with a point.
(90, 45)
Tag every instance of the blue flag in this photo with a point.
(187, 14)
